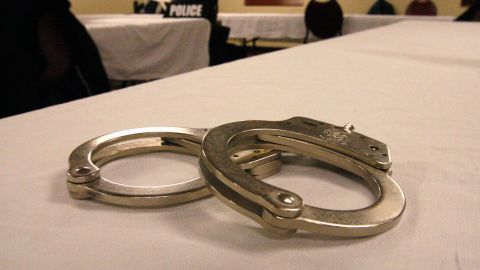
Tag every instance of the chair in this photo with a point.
(323, 19)
(422, 8)
(382, 7)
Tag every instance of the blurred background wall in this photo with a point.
(102, 6)
(445, 7)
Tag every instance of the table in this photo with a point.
(285, 27)
(145, 47)
(412, 85)
(359, 22)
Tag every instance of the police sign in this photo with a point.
(192, 9)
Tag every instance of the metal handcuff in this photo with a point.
(84, 180)
(233, 157)
(282, 211)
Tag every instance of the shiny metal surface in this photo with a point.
(85, 180)
(265, 168)
(82, 170)
(250, 159)
(282, 211)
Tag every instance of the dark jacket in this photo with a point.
(49, 57)
(471, 14)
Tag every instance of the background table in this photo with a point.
(285, 27)
(145, 47)
(412, 85)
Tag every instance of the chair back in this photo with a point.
(382, 7)
(422, 8)
(323, 19)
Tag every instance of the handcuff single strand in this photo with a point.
(85, 180)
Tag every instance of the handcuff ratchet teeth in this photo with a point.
(282, 211)
(84, 179)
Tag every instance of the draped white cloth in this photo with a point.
(145, 47)
(412, 85)
(277, 26)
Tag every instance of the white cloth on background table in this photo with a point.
(359, 22)
(277, 26)
(264, 25)
(412, 85)
(145, 47)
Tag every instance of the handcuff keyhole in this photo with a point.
(83, 170)
(374, 148)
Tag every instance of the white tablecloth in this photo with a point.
(276, 26)
(145, 47)
(412, 85)
(359, 22)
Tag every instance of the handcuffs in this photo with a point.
(282, 211)
(233, 158)
(84, 180)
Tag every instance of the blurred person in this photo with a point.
(49, 57)
(471, 14)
